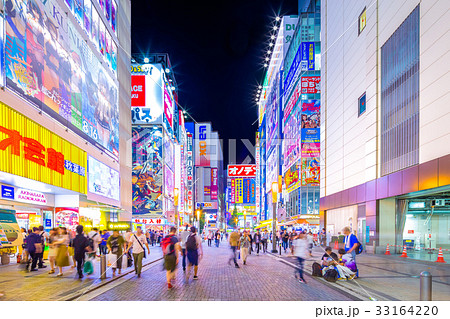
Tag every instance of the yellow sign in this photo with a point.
(362, 21)
(119, 226)
(32, 151)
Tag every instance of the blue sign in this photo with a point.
(292, 74)
(310, 135)
(48, 223)
(308, 56)
(7, 192)
(367, 234)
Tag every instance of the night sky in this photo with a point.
(217, 50)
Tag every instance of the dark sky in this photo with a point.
(217, 50)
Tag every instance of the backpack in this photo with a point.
(191, 242)
(166, 245)
(91, 242)
(114, 245)
(331, 275)
(359, 248)
(316, 270)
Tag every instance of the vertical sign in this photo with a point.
(258, 171)
(233, 191)
(202, 138)
(214, 186)
(239, 190)
(189, 173)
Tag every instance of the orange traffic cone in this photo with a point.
(440, 256)
(388, 252)
(336, 245)
(404, 254)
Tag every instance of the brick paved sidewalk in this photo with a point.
(263, 278)
(389, 277)
(18, 284)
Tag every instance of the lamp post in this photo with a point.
(176, 193)
(274, 216)
(198, 220)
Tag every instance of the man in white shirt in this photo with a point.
(137, 242)
(96, 238)
(183, 237)
(194, 252)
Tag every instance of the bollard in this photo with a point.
(103, 267)
(425, 286)
(280, 248)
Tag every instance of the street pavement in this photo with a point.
(18, 284)
(388, 277)
(263, 278)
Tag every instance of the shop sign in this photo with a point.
(310, 84)
(203, 138)
(211, 216)
(118, 225)
(23, 215)
(242, 170)
(48, 223)
(150, 221)
(208, 205)
(307, 56)
(410, 231)
(214, 185)
(47, 157)
(7, 192)
(239, 191)
(31, 197)
(233, 191)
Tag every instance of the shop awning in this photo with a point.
(264, 223)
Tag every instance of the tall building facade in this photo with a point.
(385, 151)
(64, 104)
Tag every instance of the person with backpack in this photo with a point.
(171, 248)
(351, 244)
(116, 246)
(183, 238)
(94, 239)
(300, 246)
(245, 245)
(137, 242)
(81, 246)
(194, 251)
(44, 238)
(34, 248)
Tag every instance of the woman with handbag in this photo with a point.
(62, 255)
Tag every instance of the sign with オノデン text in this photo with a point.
(242, 170)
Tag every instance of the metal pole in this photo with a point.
(103, 267)
(425, 286)
(274, 236)
(176, 218)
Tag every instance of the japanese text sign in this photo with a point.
(242, 170)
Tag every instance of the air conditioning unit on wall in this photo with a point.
(438, 202)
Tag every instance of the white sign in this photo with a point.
(150, 221)
(31, 197)
(211, 216)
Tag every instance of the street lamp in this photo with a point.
(198, 220)
(274, 215)
(176, 193)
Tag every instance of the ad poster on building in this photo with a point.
(310, 171)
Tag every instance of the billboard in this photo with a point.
(291, 140)
(9, 229)
(68, 217)
(169, 182)
(292, 178)
(310, 149)
(271, 170)
(189, 172)
(249, 191)
(146, 94)
(233, 191)
(49, 64)
(202, 144)
(214, 183)
(239, 190)
(310, 84)
(310, 171)
(272, 116)
(2, 52)
(308, 56)
(310, 135)
(103, 180)
(147, 172)
(310, 114)
(244, 170)
(168, 110)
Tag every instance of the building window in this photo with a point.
(362, 21)
(400, 97)
(362, 104)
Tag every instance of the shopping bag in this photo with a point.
(124, 261)
(111, 260)
(88, 267)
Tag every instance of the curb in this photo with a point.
(104, 283)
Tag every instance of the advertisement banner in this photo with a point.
(310, 135)
(239, 191)
(147, 95)
(244, 170)
(310, 171)
(307, 56)
(2, 52)
(202, 144)
(103, 180)
(310, 149)
(214, 184)
(10, 235)
(292, 178)
(147, 172)
(206, 190)
(293, 73)
(291, 104)
(168, 110)
(32, 151)
(311, 114)
(169, 152)
(49, 64)
(169, 181)
(271, 170)
(249, 190)
(189, 172)
(310, 84)
(291, 140)
(233, 191)
(272, 116)
(258, 178)
(68, 217)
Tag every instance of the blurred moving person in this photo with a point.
(116, 245)
(52, 249)
(137, 243)
(245, 246)
(234, 244)
(171, 248)
(194, 252)
(300, 245)
(62, 255)
(183, 237)
(34, 248)
(80, 245)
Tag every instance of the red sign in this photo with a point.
(410, 231)
(242, 170)
(138, 90)
(310, 84)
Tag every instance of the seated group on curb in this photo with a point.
(334, 267)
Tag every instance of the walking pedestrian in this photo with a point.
(183, 237)
(62, 255)
(44, 238)
(95, 239)
(217, 237)
(34, 248)
(137, 243)
(234, 244)
(251, 242)
(285, 240)
(310, 239)
(245, 246)
(322, 237)
(80, 245)
(116, 246)
(52, 249)
(194, 251)
(103, 249)
(264, 240)
(24, 234)
(257, 239)
(210, 236)
(152, 237)
(300, 251)
(171, 248)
